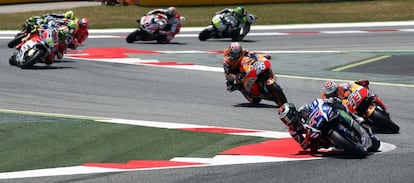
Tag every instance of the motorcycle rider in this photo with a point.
(66, 30)
(174, 23)
(232, 64)
(81, 34)
(307, 139)
(233, 56)
(242, 16)
(342, 90)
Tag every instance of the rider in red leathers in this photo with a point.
(81, 34)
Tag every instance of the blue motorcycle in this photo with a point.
(338, 129)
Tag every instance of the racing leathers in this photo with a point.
(233, 69)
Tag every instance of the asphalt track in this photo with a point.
(302, 62)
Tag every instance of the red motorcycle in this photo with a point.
(36, 48)
(369, 106)
(259, 82)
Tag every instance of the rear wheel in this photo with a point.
(133, 36)
(277, 93)
(383, 123)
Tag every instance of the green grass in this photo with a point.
(34, 142)
(269, 14)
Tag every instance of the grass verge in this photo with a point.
(35, 142)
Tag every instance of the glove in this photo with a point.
(332, 100)
(231, 86)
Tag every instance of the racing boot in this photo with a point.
(58, 54)
(375, 140)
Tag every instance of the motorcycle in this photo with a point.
(225, 26)
(258, 81)
(337, 128)
(149, 28)
(363, 102)
(37, 47)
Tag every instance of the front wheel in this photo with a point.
(252, 100)
(32, 57)
(16, 40)
(348, 145)
(133, 36)
(12, 60)
(204, 35)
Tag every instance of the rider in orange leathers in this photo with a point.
(233, 55)
(235, 63)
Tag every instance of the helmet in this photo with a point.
(63, 32)
(83, 22)
(240, 12)
(235, 50)
(73, 26)
(69, 15)
(171, 11)
(304, 111)
(287, 113)
(329, 89)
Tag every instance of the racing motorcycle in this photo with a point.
(363, 102)
(149, 28)
(336, 128)
(258, 81)
(37, 47)
(225, 26)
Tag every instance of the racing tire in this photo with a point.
(16, 40)
(12, 60)
(278, 94)
(256, 101)
(204, 35)
(133, 36)
(383, 122)
(31, 60)
(349, 145)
